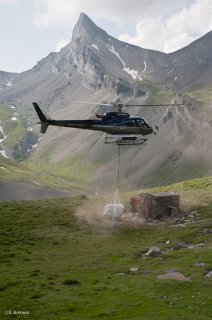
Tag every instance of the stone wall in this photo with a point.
(158, 205)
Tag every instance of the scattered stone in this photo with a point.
(174, 275)
(181, 225)
(133, 269)
(181, 245)
(146, 272)
(200, 264)
(154, 252)
(168, 241)
(198, 245)
(170, 271)
(179, 221)
(193, 214)
(208, 231)
(209, 274)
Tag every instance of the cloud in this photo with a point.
(62, 43)
(5, 2)
(174, 32)
(159, 24)
(65, 11)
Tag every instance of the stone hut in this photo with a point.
(158, 205)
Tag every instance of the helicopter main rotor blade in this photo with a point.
(155, 105)
(120, 105)
(95, 103)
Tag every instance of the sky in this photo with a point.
(31, 29)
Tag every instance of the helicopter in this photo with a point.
(119, 126)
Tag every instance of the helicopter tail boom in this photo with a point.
(43, 118)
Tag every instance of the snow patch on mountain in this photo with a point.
(145, 67)
(2, 134)
(36, 144)
(95, 46)
(133, 73)
(8, 84)
(2, 151)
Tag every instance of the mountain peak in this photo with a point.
(86, 28)
(83, 18)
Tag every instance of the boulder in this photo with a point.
(209, 274)
(208, 231)
(154, 252)
(181, 245)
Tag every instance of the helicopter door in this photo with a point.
(137, 124)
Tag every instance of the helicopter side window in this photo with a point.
(139, 122)
(130, 123)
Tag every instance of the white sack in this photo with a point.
(113, 210)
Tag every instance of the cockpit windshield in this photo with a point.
(141, 123)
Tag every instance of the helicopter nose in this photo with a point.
(150, 130)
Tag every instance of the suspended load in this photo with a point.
(125, 140)
(115, 209)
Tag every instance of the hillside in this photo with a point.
(95, 67)
(54, 264)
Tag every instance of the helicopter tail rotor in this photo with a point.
(43, 118)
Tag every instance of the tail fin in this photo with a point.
(42, 117)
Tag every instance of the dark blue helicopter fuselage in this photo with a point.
(115, 123)
(112, 125)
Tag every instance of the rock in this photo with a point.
(146, 272)
(193, 214)
(174, 275)
(154, 252)
(178, 221)
(133, 269)
(208, 231)
(209, 274)
(170, 271)
(200, 264)
(181, 245)
(197, 245)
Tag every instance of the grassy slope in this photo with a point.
(14, 130)
(10, 170)
(192, 192)
(201, 93)
(156, 93)
(56, 267)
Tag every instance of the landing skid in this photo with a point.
(125, 140)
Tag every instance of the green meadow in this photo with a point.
(56, 266)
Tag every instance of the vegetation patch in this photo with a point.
(71, 282)
(157, 94)
(14, 130)
(55, 264)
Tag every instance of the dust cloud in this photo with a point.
(92, 213)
